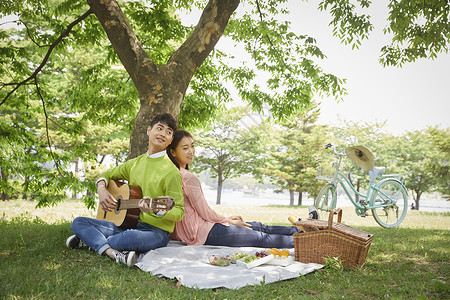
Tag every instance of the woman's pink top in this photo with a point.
(198, 218)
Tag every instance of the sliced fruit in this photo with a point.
(274, 251)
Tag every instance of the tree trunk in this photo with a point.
(161, 88)
(291, 198)
(300, 198)
(77, 161)
(417, 200)
(219, 185)
(24, 195)
(4, 196)
(4, 178)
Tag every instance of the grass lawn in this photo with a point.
(411, 262)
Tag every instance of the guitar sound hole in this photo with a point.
(117, 209)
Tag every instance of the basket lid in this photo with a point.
(321, 224)
(353, 232)
(336, 226)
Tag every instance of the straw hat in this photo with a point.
(361, 156)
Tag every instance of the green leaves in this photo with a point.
(348, 25)
(157, 26)
(284, 60)
(82, 91)
(420, 29)
(439, 164)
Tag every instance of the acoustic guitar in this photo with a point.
(126, 211)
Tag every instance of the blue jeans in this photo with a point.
(101, 235)
(263, 236)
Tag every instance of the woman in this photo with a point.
(202, 225)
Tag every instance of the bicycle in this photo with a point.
(386, 198)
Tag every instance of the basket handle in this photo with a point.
(337, 211)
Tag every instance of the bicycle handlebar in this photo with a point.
(329, 145)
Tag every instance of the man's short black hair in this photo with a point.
(167, 119)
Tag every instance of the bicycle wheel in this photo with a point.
(324, 201)
(390, 203)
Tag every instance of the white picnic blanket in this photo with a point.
(190, 266)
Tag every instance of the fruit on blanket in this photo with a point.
(237, 256)
(249, 258)
(279, 254)
(221, 261)
(274, 251)
(261, 254)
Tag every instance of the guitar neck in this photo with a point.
(159, 203)
(129, 203)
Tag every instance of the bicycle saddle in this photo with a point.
(375, 172)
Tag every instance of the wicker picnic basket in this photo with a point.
(330, 239)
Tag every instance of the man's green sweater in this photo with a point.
(156, 177)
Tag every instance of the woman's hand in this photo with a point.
(235, 218)
(144, 205)
(238, 221)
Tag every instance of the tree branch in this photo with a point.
(46, 125)
(205, 36)
(270, 41)
(29, 35)
(124, 41)
(47, 56)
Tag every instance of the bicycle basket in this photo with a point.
(326, 166)
(325, 170)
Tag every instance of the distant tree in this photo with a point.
(412, 153)
(229, 149)
(440, 164)
(292, 160)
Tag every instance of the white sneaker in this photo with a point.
(74, 242)
(126, 257)
(313, 212)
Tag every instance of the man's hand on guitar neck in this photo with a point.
(144, 204)
(156, 205)
(106, 200)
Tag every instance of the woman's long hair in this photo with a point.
(177, 137)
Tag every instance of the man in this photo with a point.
(157, 176)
